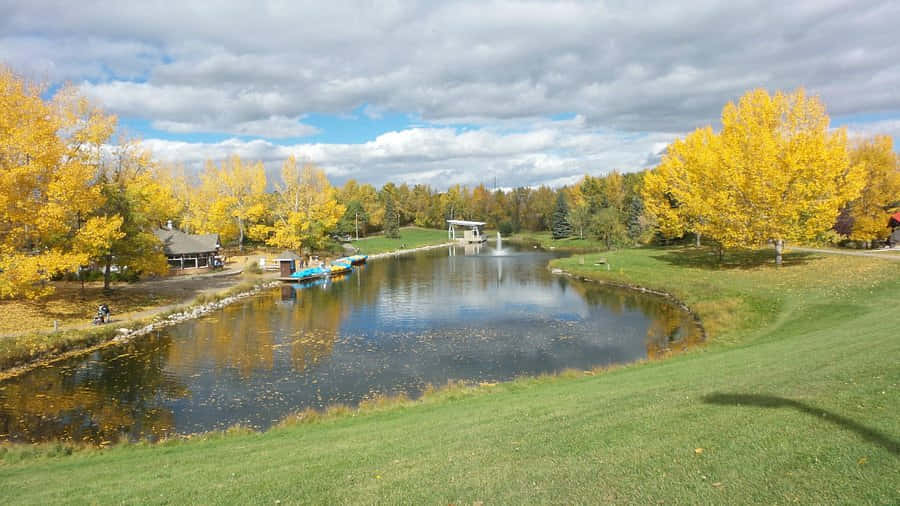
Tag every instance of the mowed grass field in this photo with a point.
(795, 400)
(410, 237)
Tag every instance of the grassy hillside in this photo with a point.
(795, 401)
(410, 237)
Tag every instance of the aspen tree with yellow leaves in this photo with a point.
(50, 152)
(230, 199)
(306, 208)
(775, 173)
(870, 212)
(135, 191)
(677, 192)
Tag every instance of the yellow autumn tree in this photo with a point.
(579, 210)
(139, 193)
(230, 199)
(870, 212)
(50, 152)
(786, 176)
(775, 173)
(306, 208)
(367, 198)
(679, 191)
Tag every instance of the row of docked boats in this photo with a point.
(337, 267)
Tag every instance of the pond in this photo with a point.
(396, 325)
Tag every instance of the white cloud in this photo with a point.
(555, 153)
(665, 67)
(276, 127)
(881, 127)
(258, 69)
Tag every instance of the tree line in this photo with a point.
(75, 196)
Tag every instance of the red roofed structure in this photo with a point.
(895, 220)
(894, 223)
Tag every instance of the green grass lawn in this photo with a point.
(410, 237)
(546, 240)
(796, 399)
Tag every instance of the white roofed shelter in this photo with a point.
(472, 235)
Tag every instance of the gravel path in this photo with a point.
(884, 254)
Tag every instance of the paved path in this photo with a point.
(884, 254)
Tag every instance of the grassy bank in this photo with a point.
(410, 237)
(28, 347)
(545, 240)
(796, 401)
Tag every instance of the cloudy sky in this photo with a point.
(521, 93)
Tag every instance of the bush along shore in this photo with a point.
(793, 400)
(23, 353)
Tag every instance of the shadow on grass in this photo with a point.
(707, 258)
(771, 401)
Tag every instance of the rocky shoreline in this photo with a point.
(191, 313)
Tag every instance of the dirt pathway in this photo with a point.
(883, 254)
(179, 290)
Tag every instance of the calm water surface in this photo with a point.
(396, 325)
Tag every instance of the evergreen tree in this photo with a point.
(559, 224)
(635, 218)
(391, 218)
(355, 219)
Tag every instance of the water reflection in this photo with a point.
(118, 390)
(469, 312)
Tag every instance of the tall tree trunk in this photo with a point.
(697, 239)
(779, 249)
(107, 273)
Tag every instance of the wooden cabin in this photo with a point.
(288, 263)
(188, 251)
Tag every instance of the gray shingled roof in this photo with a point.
(288, 255)
(176, 242)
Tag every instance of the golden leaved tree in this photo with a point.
(678, 191)
(774, 173)
(871, 211)
(306, 208)
(230, 200)
(50, 152)
(135, 190)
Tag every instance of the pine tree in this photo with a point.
(391, 218)
(559, 224)
(635, 218)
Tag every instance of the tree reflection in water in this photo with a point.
(671, 329)
(123, 390)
